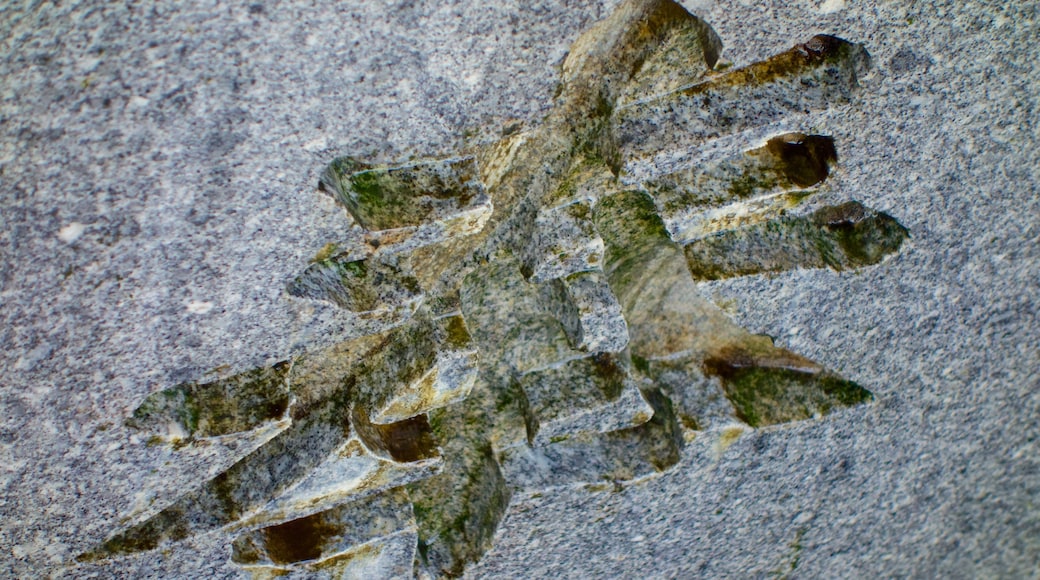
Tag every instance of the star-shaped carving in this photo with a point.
(528, 312)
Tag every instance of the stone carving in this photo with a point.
(531, 313)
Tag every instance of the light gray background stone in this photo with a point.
(157, 172)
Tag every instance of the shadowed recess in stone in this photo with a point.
(404, 441)
(531, 312)
(325, 534)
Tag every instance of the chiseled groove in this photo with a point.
(812, 76)
(838, 237)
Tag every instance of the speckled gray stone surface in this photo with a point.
(157, 173)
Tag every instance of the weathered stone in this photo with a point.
(602, 461)
(373, 536)
(755, 187)
(510, 321)
(821, 73)
(594, 394)
(588, 311)
(563, 242)
(239, 403)
(372, 288)
(425, 364)
(838, 237)
(524, 318)
(459, 510)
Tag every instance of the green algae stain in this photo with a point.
(457, 334)
(768, 396)
(383, 198)
(865, 238)
(633, 233)
(238, 403)
(327, 251)
(819, 51)
(837, 237)
(751, 182)
(167, 525)
(371, 193)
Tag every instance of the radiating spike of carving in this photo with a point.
(318, 375)
(425, 364)
(590, 395)
(509, 321)
(563, 241)
(373, 458)
(821, 73)
(459, 510)
(372, 538)
(373, 288)
(324, 458)
(349, 473)
(751, 188)
(777, 386)
(430, 201)
(239, 403)
(618, 456)
(668, 321)
(839, 237)
(588, 311)
(244, 487)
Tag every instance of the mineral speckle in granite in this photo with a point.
(157, 171)
(580, 350)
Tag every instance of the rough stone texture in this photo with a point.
(158, 172)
